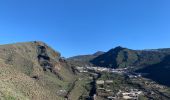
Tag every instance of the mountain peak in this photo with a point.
(119, 48)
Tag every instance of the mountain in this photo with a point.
(32, 71)
(120, 57)
(83, 60)
(114, 57)
(86, 58)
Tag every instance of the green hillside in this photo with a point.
(120, 57)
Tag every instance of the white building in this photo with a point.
(100, 82)
(109, 81)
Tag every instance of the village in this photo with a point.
(100, 69)
(109, 88)
(104, 90)
(124, 71)
(104, 87)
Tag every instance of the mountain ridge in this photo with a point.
(123, 57)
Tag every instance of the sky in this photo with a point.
(75, 27)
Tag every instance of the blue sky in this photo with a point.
(75, 27)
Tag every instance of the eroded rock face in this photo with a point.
(49, 59)
(43, 58)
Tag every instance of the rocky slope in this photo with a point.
(32, 71)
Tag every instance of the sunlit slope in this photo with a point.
(32, 71)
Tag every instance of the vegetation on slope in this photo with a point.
(122, 57)
(32, 71)
(158, 72)
(83, 60)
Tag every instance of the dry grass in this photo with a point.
(18, 63)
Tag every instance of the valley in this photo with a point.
(34, 71)
(123, 85)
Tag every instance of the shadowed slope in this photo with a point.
(159, 72)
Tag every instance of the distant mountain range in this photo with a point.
(83, 60)
(120, 57)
